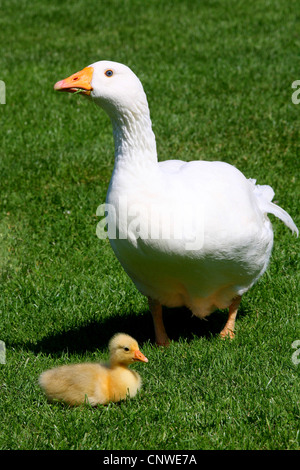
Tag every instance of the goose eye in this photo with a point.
(109, 73)
(126, 349)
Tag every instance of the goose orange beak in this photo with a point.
(78, 82)
(139, 356)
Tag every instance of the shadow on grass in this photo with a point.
(179, 323)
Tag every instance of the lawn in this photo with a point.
(218, 77)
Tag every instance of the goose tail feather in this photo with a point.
(264, 196)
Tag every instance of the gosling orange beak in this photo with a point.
(138, 356)
(78, 82)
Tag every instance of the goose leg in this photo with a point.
(161, 336)
(228, 329)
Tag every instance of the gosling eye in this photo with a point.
(126, 349)
(109, 73)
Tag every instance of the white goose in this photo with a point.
(190, 234)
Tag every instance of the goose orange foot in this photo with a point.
(161, 337)
(228, 330)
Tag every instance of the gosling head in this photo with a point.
(124, 350)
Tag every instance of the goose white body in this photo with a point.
(192, 234)
(218, 258)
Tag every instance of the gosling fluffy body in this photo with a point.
(96, 383)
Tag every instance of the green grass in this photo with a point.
(218, 77)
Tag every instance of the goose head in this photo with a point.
(124, 350)
(117, 90)
(112, 85)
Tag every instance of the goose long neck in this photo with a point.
(133, 136)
